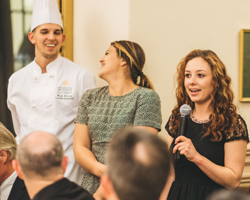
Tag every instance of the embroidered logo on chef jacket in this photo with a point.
(65, 91)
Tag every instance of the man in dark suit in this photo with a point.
(11, 186)
(18, 191)
(40, 161)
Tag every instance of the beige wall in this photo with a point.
(96, 24)
(167, 30)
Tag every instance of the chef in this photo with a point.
(44, 95)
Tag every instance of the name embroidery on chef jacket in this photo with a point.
(65, 91)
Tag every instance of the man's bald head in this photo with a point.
(40, 154)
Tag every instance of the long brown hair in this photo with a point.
(134, 55)
(224, 116)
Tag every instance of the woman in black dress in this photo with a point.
(214, 148)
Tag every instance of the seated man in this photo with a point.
(11, 187)
(40, 161)
(138, 165)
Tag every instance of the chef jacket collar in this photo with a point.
(51, 68)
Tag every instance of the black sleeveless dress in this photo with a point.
(190, 182)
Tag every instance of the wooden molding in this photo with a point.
(242, 98)
(66, 8)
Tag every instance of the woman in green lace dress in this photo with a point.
(128, 100)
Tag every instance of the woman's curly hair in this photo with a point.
(224, 116)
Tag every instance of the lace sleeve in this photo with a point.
(240, 133)
(169, 128)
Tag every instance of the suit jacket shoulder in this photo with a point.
(18, 191)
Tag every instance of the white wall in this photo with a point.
(167, 30)
(96, 24)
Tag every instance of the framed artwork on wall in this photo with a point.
(244, 90)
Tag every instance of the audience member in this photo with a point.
(138, 165)
(224, 194)
(11, 186)
(40, 161)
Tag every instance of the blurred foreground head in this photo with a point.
(229, 195)
(40, 156)
(138, 165)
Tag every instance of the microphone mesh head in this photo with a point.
(185, 110)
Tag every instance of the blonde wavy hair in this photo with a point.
(7, 142)
(224, 116)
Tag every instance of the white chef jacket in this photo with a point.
(49, 102)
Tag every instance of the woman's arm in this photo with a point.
(171, 178)
(229, 175)
(82, 151)
(149, 129)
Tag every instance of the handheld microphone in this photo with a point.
(185, 110)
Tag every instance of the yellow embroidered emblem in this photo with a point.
(65, 83)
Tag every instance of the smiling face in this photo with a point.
(198, 81)
(110, 63)
(48, 39)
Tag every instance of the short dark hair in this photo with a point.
(138, 164)
(40, 162)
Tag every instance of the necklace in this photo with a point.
(198, 121)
